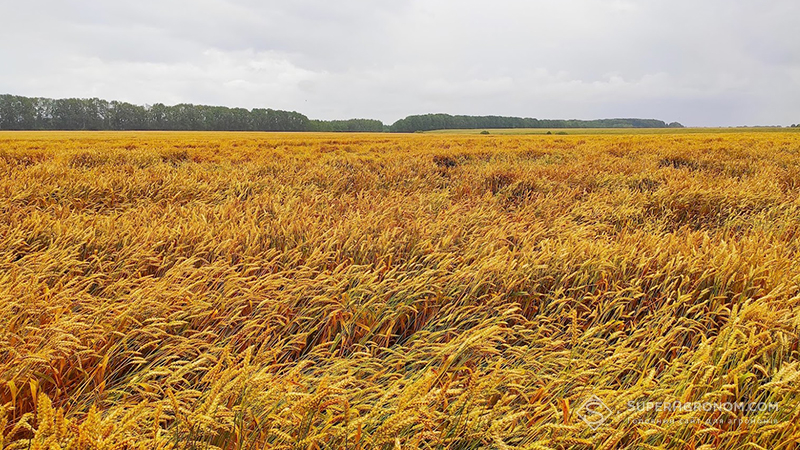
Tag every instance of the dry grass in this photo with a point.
(248, 291)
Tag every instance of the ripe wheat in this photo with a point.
(238, 291)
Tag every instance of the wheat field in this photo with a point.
(319, 291)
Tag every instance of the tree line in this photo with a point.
(428, 122)
(27, 113)
(351, 125)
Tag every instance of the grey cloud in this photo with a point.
(702, 63)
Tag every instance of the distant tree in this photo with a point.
(156, 117)
(69, 114)
(17, 113)
(125, 116)
(96, 114)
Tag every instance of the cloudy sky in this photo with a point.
(702, 63)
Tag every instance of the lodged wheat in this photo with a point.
(249, 291)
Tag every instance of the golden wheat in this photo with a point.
(244, 290)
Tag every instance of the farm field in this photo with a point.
(618, 131)
(312, 291)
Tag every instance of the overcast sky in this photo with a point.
(702, 63)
